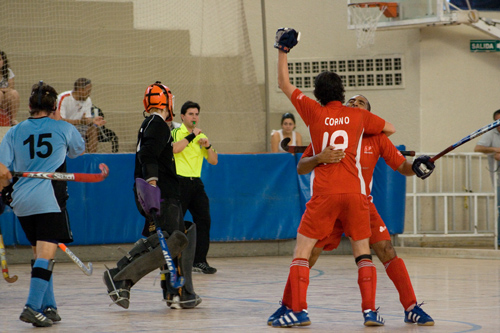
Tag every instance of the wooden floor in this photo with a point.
(462, 295)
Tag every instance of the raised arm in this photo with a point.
(286, 39)
(283, 77)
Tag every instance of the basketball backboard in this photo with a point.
(414, 14)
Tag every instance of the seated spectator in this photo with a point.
(105, 134)
(9, 97)
(75, 108)
(287, 131)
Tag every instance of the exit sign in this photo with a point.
(485, 45)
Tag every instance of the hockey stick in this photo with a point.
(301, 149)
(149, 198)
(407, 152)
(5, 269)
(78, 262)
(469, 137)
(291, 149)
(63, 176)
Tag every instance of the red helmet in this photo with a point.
(159, 96)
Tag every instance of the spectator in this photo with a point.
(75, 108)
(105, 134)
(489, 144)
(39, 204)
(287, 131)
(188, 162)
(9, 97)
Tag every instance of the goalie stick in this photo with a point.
(149, 198)
(301, 149)
(78, 262)
(64, 176)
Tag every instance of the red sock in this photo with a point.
(367, 280)
(299, 281)
(287, 294)
(397, 272)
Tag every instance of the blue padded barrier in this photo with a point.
(252, 197)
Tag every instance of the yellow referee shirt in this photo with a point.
(189, 161)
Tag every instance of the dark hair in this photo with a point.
(328, 87)
(5, 66)
(81, 83)
(43, 98)
(189, 105)
(497, 112)
(287, 115)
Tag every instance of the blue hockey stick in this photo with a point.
(469, 137)
(149, 198)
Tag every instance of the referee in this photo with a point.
(188, 162)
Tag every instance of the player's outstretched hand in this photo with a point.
(286, 39)
(423, 167)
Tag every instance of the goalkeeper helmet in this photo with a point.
(159, 96)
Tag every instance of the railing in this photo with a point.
(458, 199)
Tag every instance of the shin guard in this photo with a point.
(143, 258)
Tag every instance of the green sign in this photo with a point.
(485, 45)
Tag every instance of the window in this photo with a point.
(381, 72)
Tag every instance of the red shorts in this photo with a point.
(351, 209)
(377, 226)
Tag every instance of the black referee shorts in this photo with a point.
(50, 227)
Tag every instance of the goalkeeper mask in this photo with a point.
(159, 96)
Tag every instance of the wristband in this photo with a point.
(190, 137)
(207, 148)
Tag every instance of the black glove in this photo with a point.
(423, 167)
(286, 39)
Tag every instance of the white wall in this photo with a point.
(460, 89)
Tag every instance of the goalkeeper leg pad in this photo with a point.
(148, 256)
(188, 298)
(119, 291)
(143, 258)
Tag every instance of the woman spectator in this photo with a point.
(287, 131)
(9, 97)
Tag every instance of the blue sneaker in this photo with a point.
(278, 313)
(418, 316)
(372, 318)
(291, 318)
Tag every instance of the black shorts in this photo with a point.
(51, 227)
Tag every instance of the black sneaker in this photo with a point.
(204, 267)
(36, 318)
(52, 314)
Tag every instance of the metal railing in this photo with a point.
(458, 199)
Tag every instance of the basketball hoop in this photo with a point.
(365, 17)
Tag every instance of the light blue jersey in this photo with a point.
(38, 144)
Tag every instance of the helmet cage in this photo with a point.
(159, 96)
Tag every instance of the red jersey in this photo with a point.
(373, 147)
(343, 128)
